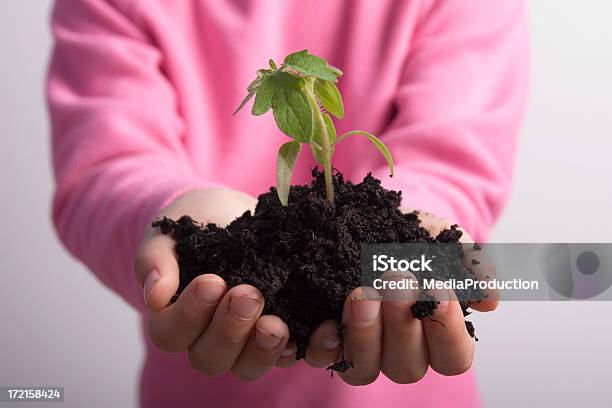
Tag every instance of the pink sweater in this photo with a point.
(141, 94)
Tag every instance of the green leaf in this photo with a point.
(263, 72)
(331, 134)
(317, 153)
(265, 92)
(287, 155)
(331, 129)
(329, 96)
(251, 89)
(244, 101)
(293, 114)
(288, 80)
(255, 83)
(376, 141)
(311, 65)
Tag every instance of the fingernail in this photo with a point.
(442, 296)
(266, 341)
(399, 287)
(150, 281)
(366, 311)
(330, 342)
(367, 308)
(245, 307)
(210, 290)
(288, 352)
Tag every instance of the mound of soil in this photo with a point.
(304, 258)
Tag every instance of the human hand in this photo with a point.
(385, 337)
(221, 330)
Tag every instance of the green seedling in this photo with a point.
(302, 94)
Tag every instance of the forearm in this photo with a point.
(118, 156)
(102, 216)
(459, 108)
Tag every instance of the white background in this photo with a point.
(58, 326)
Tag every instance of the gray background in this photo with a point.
(58, 326)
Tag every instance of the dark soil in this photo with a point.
(304, 258)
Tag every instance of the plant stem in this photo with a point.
(325, 146)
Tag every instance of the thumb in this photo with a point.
(157, 270)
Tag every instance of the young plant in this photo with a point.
(302, 94)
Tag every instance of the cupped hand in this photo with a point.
(224, 331)
(385, 337)
(221, 330)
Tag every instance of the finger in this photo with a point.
(324, 345)
(483, 267)
(263, 349)
(484, 270)
(177, 326)
(156, 268)
(287, 356)
(363, 336)
(404, 358)
(218, 348)
(451, 349)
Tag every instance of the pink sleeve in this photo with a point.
(459, 107)
(117, 151)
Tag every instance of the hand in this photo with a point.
(384, 336)
(221, 330)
